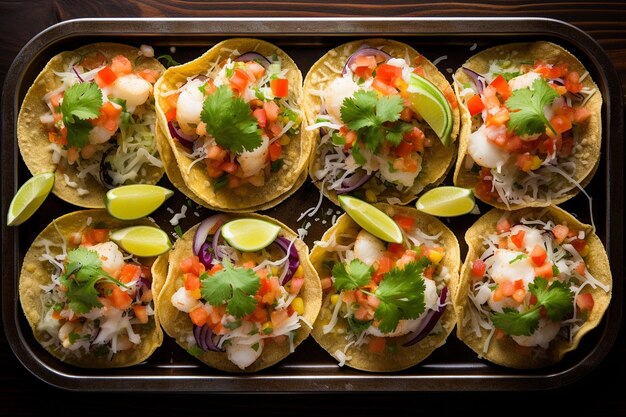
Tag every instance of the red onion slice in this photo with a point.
(254, 56)
(205, 256)
(204, 338)
(216, 250)
(431, 319)
(204, 229)
(77, 74)
(477, 79)
(381, 56)
(294, 259)
(186, 140)
(353, 182)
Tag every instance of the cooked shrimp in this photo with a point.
(189, 104)
(368, 248)
(111, 257)
(254, 161)
(243, 355)
(485, 153)
(544, 334)
(132, 88)
(336, 92)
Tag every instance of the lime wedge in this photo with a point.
(249, 235)
(29, 197)
(427, 100)
(130, 202)
(142, 240)
(446, 201)
(371, 219)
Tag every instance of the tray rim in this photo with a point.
(333, 27)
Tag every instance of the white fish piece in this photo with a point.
(485, 153)
(507, 266)
(253, 161)
(337, 91)
(368, 248)
(132, 88)
(524, 80)
(243, 355)
(189, 104)
(544, 334)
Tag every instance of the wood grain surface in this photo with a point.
(601, 392)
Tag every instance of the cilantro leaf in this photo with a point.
(401, 295)
(367, 114)
(351, 276)
(230, 121)
(233, 286)
(82, 272)
(81, 101)
(557, 300)
(526, 105)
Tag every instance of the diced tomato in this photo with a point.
(259, 314)
(192, 281)
(419, 71)
(230, 167)
(192, 264)
(518, 238)
(120, 299)
(403, 149)
(141, 313)
(479, 268)
(579, 244)
(130, 272)
(396, 250)
(524, 161)
(538, 255)
(105, 76)
(503, 225)
(580, 268)
(561, 123)
(507, 287)
(271, 111)
(385, 264)
(499, 118)
(361, 297)
(364, 66)
(363, 313)
(239, 81)
(261, 117)
(199, 316)
(383, 88)
(585, 302)
(149, 75)
(388, 73)
(348, 297)
(407, 223)
(502, 86)
(216, 153)
(295, 285)
(55, 100)
(544, 271)
(100, 235)
(475, 105)
(327, 283)
(93, 60)
(497, 294)
(257, 70)
(215, 268)
(280, 87)
(376, 344)
(572, 82)
(275, 150)
(170, 115)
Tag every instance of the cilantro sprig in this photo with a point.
(401, 291)
(82, 272)
(526, 106)
(233, 286)
(230, 121)
(556, 300)
(401, 295)
(373, 118)
(81, 102)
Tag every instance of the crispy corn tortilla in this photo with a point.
(404, 357)
(437, 159)
(505, 351)
(175, 177)
(588, 135)
(246, 198)
(35, 273)
(178, 325)
(32, 135)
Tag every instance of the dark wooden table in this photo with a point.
(600, 392)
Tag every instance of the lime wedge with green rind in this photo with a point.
(371, 219)
(427, 100)
(249, 234)
(29, 197)
(446, 201)
(142, 240)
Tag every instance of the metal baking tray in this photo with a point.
(452, 367)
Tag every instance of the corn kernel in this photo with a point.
(370, 196)
(274, 271)
(298, 305)
(299, 273)
(435, 256)
(535, 163)
(284, 140)
(334, 299)
(195, 294)
(267, 328)
(585, 251)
